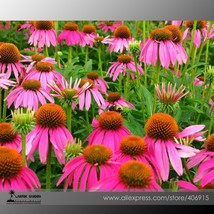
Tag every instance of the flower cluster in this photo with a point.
(100, 106)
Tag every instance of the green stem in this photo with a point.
(100, 61)
(138, 76)
(157, 79)
(144, 31)
(190, 52)
(48, 168)
(87, 121)
(211, 123)
(139, 88)
(69, 117)
(193, 72)
(93, 109)
(207, 54)
(127, 87)
(121, 83)
(69, 55)
(187, 171)
(200, 52)
(56, 27)
(4, 115)
(136, 27)
(86, 55)
(23, 149)
(46, 51)
(0, 105)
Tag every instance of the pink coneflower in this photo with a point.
(68, 92)
(161, 129)
(132, 176)
(159, 48)
(33, 49)
(205, 173)
(44, 72)
(36, 58)
(85, 171)
(101, 83)
(50, 130)
(92, 91)
(28, 25)
(95, 38)
(135, 148)
(115, 98)
(206, 153)
(5, 26)
(109, 25)
(176, 22)
(70, 34)
(198, 81)
(10, 60)
(9, 137)
(86, 31)
(177, 38)
(43, 35)
(189, 187)
(13, 175)
(169, 94)
(201, 30)
(29, 94)
(123, 63)
(121, 39)
(109, 130)
(4, 83)
(211, 33)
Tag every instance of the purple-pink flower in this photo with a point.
(71, 35)
(135, 148)
(86, 31)
(10, 61)
(132, 176)
(115, 99)
(13, 175)
(29, 94)
(109, 25)
(205, 154)
(99, 82)
(94, 91)
(28, 25)
(85, 171)
(108, 130)
(121, 39)
(201, 30)
(43, 35)
(161, 131)
(9, 137)
(50, 130)
(159, 48)
(44, 72)
(205, 173)
(36, 58)
(124, 62)
(95, 38)
(4, 82)
(177, 38)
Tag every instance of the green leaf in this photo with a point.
(148, 100)
(134, 127)
(88, 65)
(197, 65)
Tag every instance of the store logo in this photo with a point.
(27, 198)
